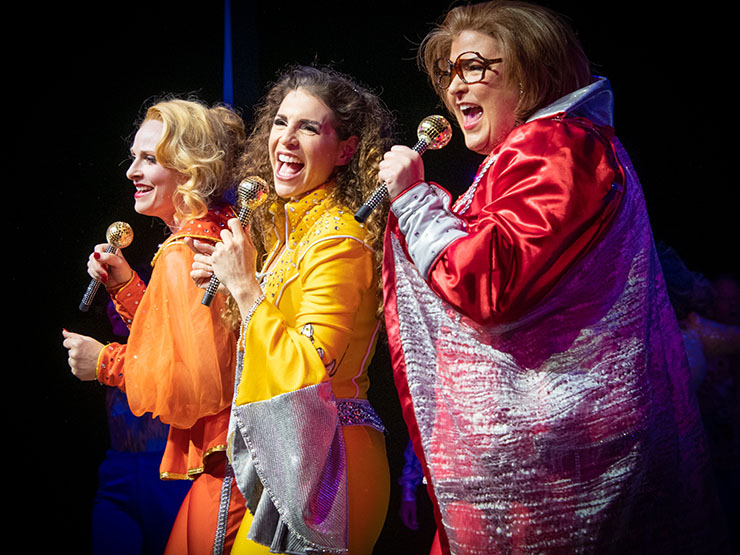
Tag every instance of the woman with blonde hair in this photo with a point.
(179, 361)
(308, 450)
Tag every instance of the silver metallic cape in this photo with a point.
(572, 430)
(289, 461)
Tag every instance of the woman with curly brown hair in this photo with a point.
(179, 361)
(307, 448)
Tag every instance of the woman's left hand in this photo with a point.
(234, 263)
(83, 354)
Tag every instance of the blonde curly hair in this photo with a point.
(203, 144)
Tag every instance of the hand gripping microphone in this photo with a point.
(119, 236)
(252, 193)
(433, 132)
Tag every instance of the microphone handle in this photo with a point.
(212, 287)
(92, 289)
(382, 191)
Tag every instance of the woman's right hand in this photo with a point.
(400, 168)
(234, 263)
(232, 260)
(109, 268)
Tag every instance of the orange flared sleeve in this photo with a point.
(180, 356)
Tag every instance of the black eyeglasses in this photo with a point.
(469, 70)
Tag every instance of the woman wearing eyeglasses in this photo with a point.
(541, 371)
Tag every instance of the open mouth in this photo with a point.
(142, 190)
(288, 166)
(471, 114)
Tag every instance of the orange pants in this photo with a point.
(195, 528)
(368, 479)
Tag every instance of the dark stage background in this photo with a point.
(84, 70)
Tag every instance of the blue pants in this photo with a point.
(134, 510)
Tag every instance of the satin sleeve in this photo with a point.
(109, 369)
(286, 352)
(180, 357)
(111, 360)
(545, 201)
(127, 297)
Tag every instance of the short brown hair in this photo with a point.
(541, 50)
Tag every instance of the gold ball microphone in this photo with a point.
(433, 132)
(252, 193)
(119, 236)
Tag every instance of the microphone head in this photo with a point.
(119, 235)
(252, 192)
(435, 130)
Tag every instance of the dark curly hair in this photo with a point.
(356, 111)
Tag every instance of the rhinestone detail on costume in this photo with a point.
(463, 203)
(358, 412)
